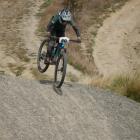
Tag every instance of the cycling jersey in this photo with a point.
(55, 27)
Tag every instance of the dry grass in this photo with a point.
(2, 72)
(46, 3)
(79, 61)
(38, 75)
(47, 10)
(10, 32)
(89, 18)
(17, 70)
(21, 53)
(71, 77)
(127, 85)
(99, 81)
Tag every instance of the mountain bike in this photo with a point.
(58, 58)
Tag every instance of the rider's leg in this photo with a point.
(50, 46)
(60, 34)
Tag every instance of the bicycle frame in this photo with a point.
(58, 58)
(60, 46)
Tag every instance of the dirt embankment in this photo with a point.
(117, 46)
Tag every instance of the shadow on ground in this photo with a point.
(46, 82)
(57, 90)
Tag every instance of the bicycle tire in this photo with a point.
(42, 70)
(59, 83)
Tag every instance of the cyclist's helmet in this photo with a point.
(65, 16)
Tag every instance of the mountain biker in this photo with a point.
(57, 27)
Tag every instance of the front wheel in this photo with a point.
(60, 70)
(42, 67)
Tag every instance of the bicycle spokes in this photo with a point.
(43, 55)
(42, 67)
(60, 70)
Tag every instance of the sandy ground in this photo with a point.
(117, 47)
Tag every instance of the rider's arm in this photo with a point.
(77, 31)
(51, 23)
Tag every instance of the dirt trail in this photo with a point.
(33, 110)
(117, 47)
(19, 43)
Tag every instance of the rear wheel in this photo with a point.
(42, 67)
(60, 70)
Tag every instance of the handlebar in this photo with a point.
(71, 40)
(75, 41)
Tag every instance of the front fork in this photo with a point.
(58, 51)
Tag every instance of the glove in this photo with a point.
(79, 39)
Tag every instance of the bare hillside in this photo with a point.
(19, 42)
(117, 46)
(33, 110)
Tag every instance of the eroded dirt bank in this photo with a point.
(117, 46)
